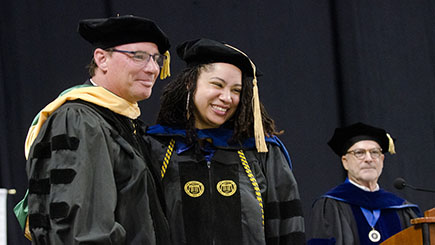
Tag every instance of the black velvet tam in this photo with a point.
(113, 31)
(345, 137)
(206, 51)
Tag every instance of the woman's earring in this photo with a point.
(187, 106)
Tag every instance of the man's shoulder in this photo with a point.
(79, 104)
(78, 114)
(330, 206)
(81, 108)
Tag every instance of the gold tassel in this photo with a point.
(165, 72)
(260, 142)
(391, 148)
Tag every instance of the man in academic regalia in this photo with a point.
(358, 211)
(88, 180)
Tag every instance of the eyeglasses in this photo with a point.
(361, 153)
(142, 57)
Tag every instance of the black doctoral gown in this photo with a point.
(337, 218)
(88, 180)
(217, 193)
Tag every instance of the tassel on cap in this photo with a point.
(391, 147)
(165, 72)
(260, 142)
(347, 136)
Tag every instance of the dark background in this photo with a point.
(326, 64)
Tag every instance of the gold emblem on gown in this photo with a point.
(194, 188)
(226, 187)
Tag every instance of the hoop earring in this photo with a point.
(187, 106)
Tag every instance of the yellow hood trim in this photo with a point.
(96, 95)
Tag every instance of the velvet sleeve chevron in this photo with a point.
(284, 221)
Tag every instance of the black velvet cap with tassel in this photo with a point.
(206, 51)
(345, 137)
(110, 32)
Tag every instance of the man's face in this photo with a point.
(129, 79)
(365, 171)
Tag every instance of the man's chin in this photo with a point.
(146, 96)
(369, 178)
(140, 97)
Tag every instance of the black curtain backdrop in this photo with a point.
(325, 63)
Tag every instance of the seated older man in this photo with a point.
(358, 211)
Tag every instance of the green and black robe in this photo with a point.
(88, 180)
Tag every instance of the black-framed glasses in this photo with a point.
(142, 57)
(361, 153)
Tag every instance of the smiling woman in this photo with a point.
(222, 185)
(217, 94)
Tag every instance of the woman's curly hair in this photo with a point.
(176, 112)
